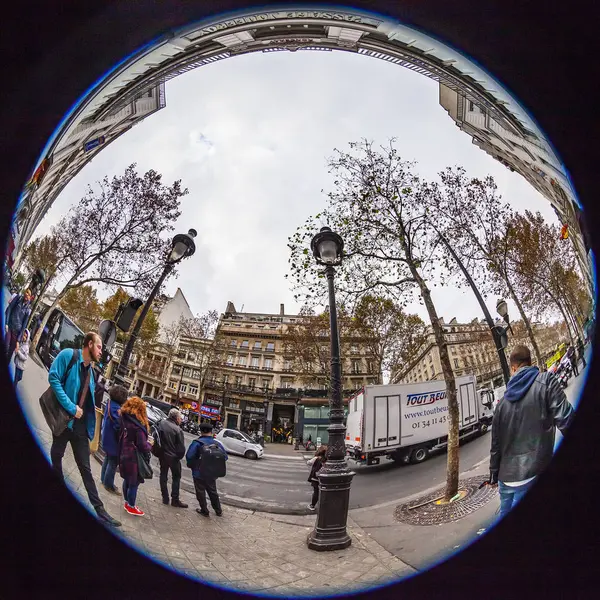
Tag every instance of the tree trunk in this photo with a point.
(526, 322)
(566, 319)
(452, 469)
(574, 322)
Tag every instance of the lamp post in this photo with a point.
(498, 332)
(182, 246)
(334, 478)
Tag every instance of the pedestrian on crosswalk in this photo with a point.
(316, 464)
(206, 457)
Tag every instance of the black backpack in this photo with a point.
(157, 449)
(212, 461)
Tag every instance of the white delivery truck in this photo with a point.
(405, 422)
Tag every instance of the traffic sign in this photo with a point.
(108, 333)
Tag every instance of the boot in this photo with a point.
(177, 503)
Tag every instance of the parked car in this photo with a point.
(155, 415)
(236, 442)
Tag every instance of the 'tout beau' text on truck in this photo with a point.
(405, 422)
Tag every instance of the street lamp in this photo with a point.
(182, 246)
(335, 477)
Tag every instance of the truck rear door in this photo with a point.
(467, 402)
(386, 418)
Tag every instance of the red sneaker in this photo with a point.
(134, 510)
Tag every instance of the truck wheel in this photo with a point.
(418, 455)
(483, 428)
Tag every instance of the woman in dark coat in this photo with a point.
(316, 463)
(111, 429)
(134, 438)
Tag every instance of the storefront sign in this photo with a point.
(271, 16)
(209, 411)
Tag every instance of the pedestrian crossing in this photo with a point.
(267, 483)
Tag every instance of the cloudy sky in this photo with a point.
(249, 136)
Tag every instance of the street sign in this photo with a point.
(94, 143)
(108, 333)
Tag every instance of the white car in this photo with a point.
(236, 442)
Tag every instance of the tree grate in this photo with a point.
(424, 510)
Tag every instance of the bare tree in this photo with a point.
(113, 236)
(378, 206)
(391, 336)
(474, 217)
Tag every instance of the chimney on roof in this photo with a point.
(230, 308)
(281, 310)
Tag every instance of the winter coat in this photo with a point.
(524, 425)
(316, 467)
(17, 315)
(134, 436)
(111, 428)
(23, 353)
(68, 395)
(172, 441)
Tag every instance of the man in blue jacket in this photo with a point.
(16, 317)
(204, 482)
(524, 428)
(81, 428)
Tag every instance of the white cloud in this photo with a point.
(249, 137)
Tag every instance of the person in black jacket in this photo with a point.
(524, 428)
(581, 352)
(172, 446)
(316, 463)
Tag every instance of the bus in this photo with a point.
(60, 333)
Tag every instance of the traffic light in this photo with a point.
(126, 312)
(104, 359)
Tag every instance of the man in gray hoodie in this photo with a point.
(524, 428)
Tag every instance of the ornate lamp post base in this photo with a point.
(330, 532)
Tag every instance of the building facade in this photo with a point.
(472, 352)
(529, 155)
(72, 150)
(258, 385)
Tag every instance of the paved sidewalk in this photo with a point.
(244, 550)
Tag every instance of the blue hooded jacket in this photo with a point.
(67, 395)
(520, 383)
(111, 428)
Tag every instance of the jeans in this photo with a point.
(11, 344)
(109, 470)
(511, 495)
(315, 496)
(207, 486)
(18, 375)
(174, 464)
(130, 493)
(80, 445)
